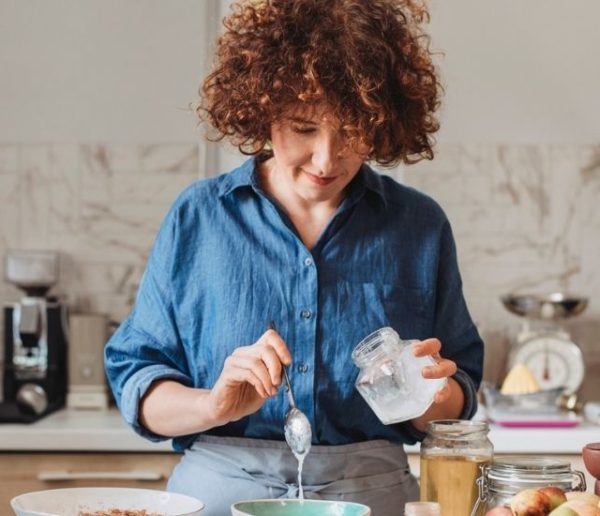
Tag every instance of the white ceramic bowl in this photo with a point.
(295, 507)
(70, 502)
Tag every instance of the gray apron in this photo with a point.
(222, 470)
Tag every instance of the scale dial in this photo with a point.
(555, 361)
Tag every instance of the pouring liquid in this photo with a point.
(300, 458)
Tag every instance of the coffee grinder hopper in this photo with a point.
(34, 272)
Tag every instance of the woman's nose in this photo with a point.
(327, 152)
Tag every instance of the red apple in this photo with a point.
(530, 502)
(556, 495)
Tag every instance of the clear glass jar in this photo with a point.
(508, 475)
(390, 378)
(422, 509)
(453, 455)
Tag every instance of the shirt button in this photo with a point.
(302, 367)
(305, 314)
(308, 261)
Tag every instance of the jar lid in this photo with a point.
(456, 429)
(511, 473)
(523, 467)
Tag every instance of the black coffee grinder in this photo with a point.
(35, 340)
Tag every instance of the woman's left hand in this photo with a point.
(444, 368)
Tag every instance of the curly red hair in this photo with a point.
(368, 60)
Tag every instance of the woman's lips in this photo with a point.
(320, 181)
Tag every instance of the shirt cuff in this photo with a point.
(469, 408)
(134, 390)
(470, 392)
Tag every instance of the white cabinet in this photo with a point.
(30, 471)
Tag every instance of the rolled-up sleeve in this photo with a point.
(147, 346)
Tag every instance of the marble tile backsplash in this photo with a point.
(525, 218)
(100, 206)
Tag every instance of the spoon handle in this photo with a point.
(286, 378)
(288, 388)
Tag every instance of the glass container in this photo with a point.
(422, 509)
(453, 455)
(509, 474)
(390, 377)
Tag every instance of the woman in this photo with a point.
(307, 235)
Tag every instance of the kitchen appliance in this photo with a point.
(35, 340)
(88, 388)
(543, 344)
(542, 409)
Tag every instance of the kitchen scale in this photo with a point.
(542, 344)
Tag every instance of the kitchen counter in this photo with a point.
(105, 430)
(77, 430)
(543, 441)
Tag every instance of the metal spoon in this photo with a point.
(296, 428)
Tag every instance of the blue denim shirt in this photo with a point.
(227, 260)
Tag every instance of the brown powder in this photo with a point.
(121, 512)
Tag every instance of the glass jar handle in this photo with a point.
(482, 490)
(581, 486)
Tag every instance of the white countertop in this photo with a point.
(105, 430)
(77, 430)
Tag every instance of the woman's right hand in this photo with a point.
(250, 375)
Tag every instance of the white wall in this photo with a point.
(519, 71)
(101, 70)
(522, 71)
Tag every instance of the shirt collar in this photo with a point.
(246, 175)
(367, 180)
(243, 176)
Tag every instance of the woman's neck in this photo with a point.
(309, 217)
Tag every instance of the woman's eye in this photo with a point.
(303, 129)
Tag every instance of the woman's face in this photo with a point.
(311, 155)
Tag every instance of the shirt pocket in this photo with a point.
(407, 309)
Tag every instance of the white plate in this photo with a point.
(70, 502)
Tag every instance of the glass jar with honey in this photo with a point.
(453, 455)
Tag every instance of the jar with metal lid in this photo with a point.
(509, 474)
(452, 455)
